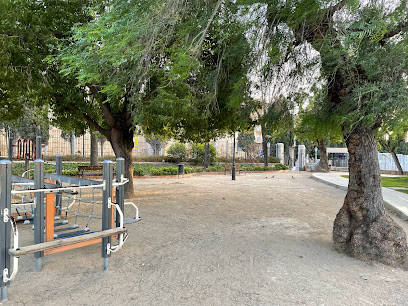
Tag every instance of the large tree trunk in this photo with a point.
(264, 146)
(362, 229)
(323, 165)
(397, 163)
(122, 145)
(206, 155)
(94, 150)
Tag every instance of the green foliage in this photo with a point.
(70, 169)
(273, 160)
(245, 140)
(178, 151)
(34, 123)
(280, 167)
(163, 171)
(215, 169)
(278, 118)
(197, 152)
(387, 181)
(30, 32)
(160, 169)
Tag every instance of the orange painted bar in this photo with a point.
(49, 216)
(73, 246)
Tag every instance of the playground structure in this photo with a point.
(24, 149)
(47, 202)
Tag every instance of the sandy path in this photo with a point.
(207, 240)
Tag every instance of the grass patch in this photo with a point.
(402, 190)
(394, 181)
(388, 181)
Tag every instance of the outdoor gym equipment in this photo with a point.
(45, 212)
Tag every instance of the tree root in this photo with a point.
(381, 240)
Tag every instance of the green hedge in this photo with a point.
(263, 168)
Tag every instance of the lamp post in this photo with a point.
(233, 162)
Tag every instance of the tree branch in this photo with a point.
(396, 31)
(90, 121)
(107, 112)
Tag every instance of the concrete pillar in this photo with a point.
(301, 157)
(292, 157)
(280, 151)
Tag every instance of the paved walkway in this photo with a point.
(393, 199)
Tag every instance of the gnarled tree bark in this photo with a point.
(94, 149)
(264, 146)
(362, 228)
(397, 163)
(122, 144)
(323, 165)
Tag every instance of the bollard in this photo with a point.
(39, 209)
(58, 164)
(10, 149)
(107, 210)
(38, 154)
(5, 228)
(120, 190)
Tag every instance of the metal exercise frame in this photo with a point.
(8, 224)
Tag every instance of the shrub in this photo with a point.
(215, 169)
(273, 160)
(280, 167)
(163, 171)
(198, 151)
(192, 170)
(177, 151)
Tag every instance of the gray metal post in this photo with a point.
(73, 144)
(58, 164)
(39, 209)
(10, 149)
(233, 162)
(58, 171)
(120, 190)
(5, 208)
(107, 210)
(38, 154)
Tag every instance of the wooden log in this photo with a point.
(64, 242)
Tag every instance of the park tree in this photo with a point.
(362, 59)
(140, 55)
(246, 141)
(211, 98)
(390, 142)
(277, 121)
(29, 32)
(315, 124)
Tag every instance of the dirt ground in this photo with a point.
(208, 240)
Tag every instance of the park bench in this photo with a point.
(228, 168)
(90, 170)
